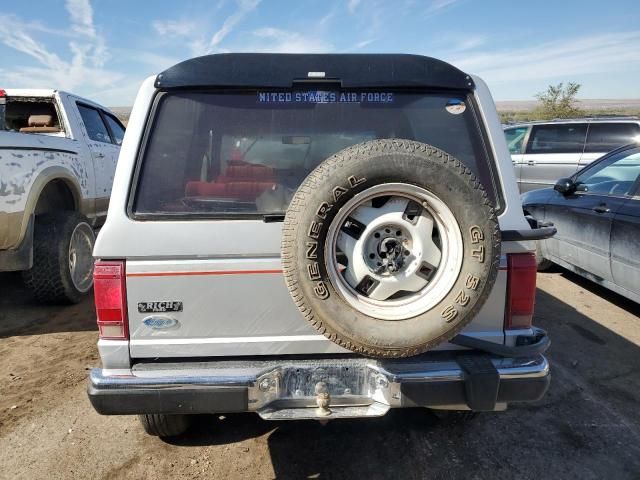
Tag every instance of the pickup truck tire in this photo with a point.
(162, 425)
(62, 270)
(390, 247)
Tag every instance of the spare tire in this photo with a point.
(390, 247)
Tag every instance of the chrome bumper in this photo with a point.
(321, 388)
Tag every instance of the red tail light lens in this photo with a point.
(521, 290)
(111, 299)
(3, 93)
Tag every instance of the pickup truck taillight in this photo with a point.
(521, 290)
(111, 299)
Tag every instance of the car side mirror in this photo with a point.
(565, 186)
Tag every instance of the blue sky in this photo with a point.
(103, 49)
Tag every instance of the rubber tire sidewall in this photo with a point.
(163, 425)
(389, 161)
(50, 277)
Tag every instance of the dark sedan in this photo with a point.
(597, 214)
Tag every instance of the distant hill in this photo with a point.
(121, 112)
(616, 104)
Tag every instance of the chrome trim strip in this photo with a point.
(225, 340)
(247, 373)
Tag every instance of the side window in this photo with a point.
(515, 137)
(604, 137)
(117, 130)
(96, 129)
(557, 138)
(615, 175)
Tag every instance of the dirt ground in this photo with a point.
(588, 425)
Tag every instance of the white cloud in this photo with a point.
(191, 31)
(284, 41)
(81, 15)
(174, 28)
(439, 5)
(358, 45)
(84, 66)
(564, 58)
(352, 5)
(469, 42)
(13, 35)
(246, 7)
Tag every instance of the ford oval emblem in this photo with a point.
(160, 323)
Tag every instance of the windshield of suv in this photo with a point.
(220, 154)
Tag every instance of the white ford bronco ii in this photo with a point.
(314, 236)
(58, 155)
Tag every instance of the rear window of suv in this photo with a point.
(217, 154)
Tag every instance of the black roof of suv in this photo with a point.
(282, 70)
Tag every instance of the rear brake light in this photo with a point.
(111, 299)
(521, 290)
(3, 93)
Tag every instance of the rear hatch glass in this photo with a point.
(221, 154)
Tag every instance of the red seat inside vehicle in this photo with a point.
(241, 180)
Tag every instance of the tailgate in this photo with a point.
(238, 306)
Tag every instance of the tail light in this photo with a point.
(521, 290)
(111, 299)
(3, 93)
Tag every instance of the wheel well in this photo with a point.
(55, 196)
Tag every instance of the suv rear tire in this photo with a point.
(62, 270)
(161, 425)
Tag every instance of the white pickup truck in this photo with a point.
(58, 154)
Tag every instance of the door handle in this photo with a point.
(601, 209)
(99, 155)
(531, 162)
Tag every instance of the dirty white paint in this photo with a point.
(26, 156)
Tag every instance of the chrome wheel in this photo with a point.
(81, 257)
(394, 251)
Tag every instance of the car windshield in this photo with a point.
(246, 153)
(615, 175)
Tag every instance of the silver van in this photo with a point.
(543, 152)
(314, 236)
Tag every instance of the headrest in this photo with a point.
(40, 121)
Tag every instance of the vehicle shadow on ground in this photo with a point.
(20, 314)
(586, 426)
(602, 292)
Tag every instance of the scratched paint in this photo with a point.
(23, 160)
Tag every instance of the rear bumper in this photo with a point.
(355, 387)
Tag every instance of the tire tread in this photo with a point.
(318, 177)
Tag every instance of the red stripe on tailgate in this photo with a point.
(219, 272)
